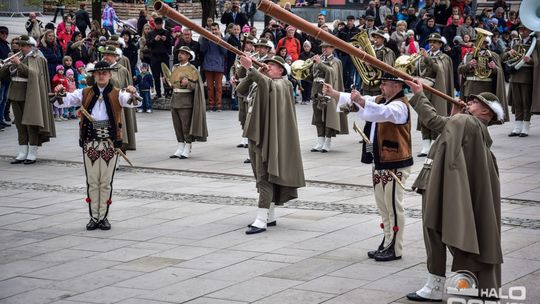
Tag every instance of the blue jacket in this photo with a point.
(53, 54)
(214, 56)
(145, 81)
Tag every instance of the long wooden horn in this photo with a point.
(165, 10)
(276, 11)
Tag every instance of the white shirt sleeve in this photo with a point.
(124, 98)
(73, 99)
(394, 112)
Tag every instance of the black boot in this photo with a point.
(92, 225)
(371, 254)
(104, 224)
(389, 254)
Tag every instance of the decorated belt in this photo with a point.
(19, 79)
(182, 91)
(101, 128)
(474, 78)
(427, 163)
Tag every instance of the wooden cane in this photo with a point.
(367, 142)
(282, 14)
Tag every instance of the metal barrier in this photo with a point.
(20, 7)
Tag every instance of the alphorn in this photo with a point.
(165, 10)
(287, 17)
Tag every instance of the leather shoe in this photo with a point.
(523, 135)
(247, 161)
(174, 156)
(92, 225)
(240, 145)
(371, 254)
(421, 155)
(29, 161)
(386, 255)
(413, 296)
(270, 224)
(254, 230)
(17, 161)
(512, 134)
(104, 224)
(315, 150)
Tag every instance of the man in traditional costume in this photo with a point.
(27, 94)
(328, 122)
(437, 70)
(494, 83)
(272, 131)
(388, 125)
(100, 137)
(121, 79)
(188, 106)
(238, 72)
(461, 198)
(524, 91)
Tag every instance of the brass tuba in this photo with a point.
(301, 69)
(370, 75)
(482, 70)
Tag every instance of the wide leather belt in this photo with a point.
(19, 79)
(182, 91)
(474, 78)
(101, 127)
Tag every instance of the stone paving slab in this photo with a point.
(174, 247)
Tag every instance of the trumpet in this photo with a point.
(8, 60)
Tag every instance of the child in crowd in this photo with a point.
(59, 78)
(81, 74)
(145, 83)
(71, 112)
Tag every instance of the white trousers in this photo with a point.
(99, 163)
(389, 198)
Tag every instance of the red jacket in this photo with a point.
(292, 45)
(60, 79)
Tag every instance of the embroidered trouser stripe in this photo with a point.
(100, 164)
(389, 198)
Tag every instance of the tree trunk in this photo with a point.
(96, 10)
(208, 10)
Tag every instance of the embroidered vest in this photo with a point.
(392, 148)
(114, 111)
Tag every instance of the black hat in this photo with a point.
(101, 66)
(388, 76)
(4, 29)
(158, 20)
(279, 60)
(350, 17)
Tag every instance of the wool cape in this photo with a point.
(37, 108)
(271, 127)
(461, 191)
(333, 74)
